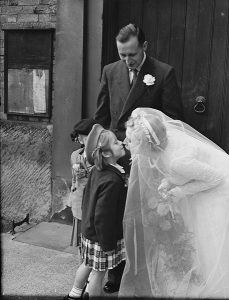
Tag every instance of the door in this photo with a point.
(192, 36)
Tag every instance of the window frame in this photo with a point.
(27, 116)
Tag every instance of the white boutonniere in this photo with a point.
(149, 79)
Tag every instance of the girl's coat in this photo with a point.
(103, 207)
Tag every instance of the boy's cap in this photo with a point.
(84, 126)
(92, 142)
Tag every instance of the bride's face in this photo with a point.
(127, 141)
(133, 138)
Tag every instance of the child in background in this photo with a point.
(80, 171)
(102, 212)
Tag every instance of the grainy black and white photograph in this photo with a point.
(114, 149)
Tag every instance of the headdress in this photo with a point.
(148, 130)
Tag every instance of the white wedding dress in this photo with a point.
(178, 249)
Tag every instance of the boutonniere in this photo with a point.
(149, 79)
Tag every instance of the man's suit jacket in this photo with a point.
(116, 100)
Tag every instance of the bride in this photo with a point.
(176, 223)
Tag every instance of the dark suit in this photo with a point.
(116, 100)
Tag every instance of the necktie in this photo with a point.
(135, 75)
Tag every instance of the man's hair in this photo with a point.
(128, 31)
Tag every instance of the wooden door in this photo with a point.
(192, 36)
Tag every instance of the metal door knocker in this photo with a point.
(199, 107)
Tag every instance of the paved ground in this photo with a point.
(36, 272)
(31, 270)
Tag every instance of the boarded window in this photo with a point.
(29, 72)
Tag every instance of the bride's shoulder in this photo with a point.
(179, 149)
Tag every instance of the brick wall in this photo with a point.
(19, 14)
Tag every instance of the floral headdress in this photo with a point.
(148, 130)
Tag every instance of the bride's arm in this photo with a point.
(200, 176)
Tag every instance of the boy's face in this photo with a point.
(82, 138)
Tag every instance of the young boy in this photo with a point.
(80, 171)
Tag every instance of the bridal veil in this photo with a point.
(175, 249)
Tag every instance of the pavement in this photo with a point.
(37, 270)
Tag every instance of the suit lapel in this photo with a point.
(138, 89)
(123, 81)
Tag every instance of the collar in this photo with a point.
(117, 171)
(141, 64)
(120, 168)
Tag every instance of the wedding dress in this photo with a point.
(176, 248)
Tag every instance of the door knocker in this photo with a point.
(199, 107)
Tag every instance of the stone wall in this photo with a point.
(25, 146)
(25, 171)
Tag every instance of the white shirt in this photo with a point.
(131, 72)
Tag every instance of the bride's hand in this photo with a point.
(163, 187)
(175, 194)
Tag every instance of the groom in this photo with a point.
(136, 80)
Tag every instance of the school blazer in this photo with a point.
(103, 207)
(116, 100)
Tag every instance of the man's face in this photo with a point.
(131, 52)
